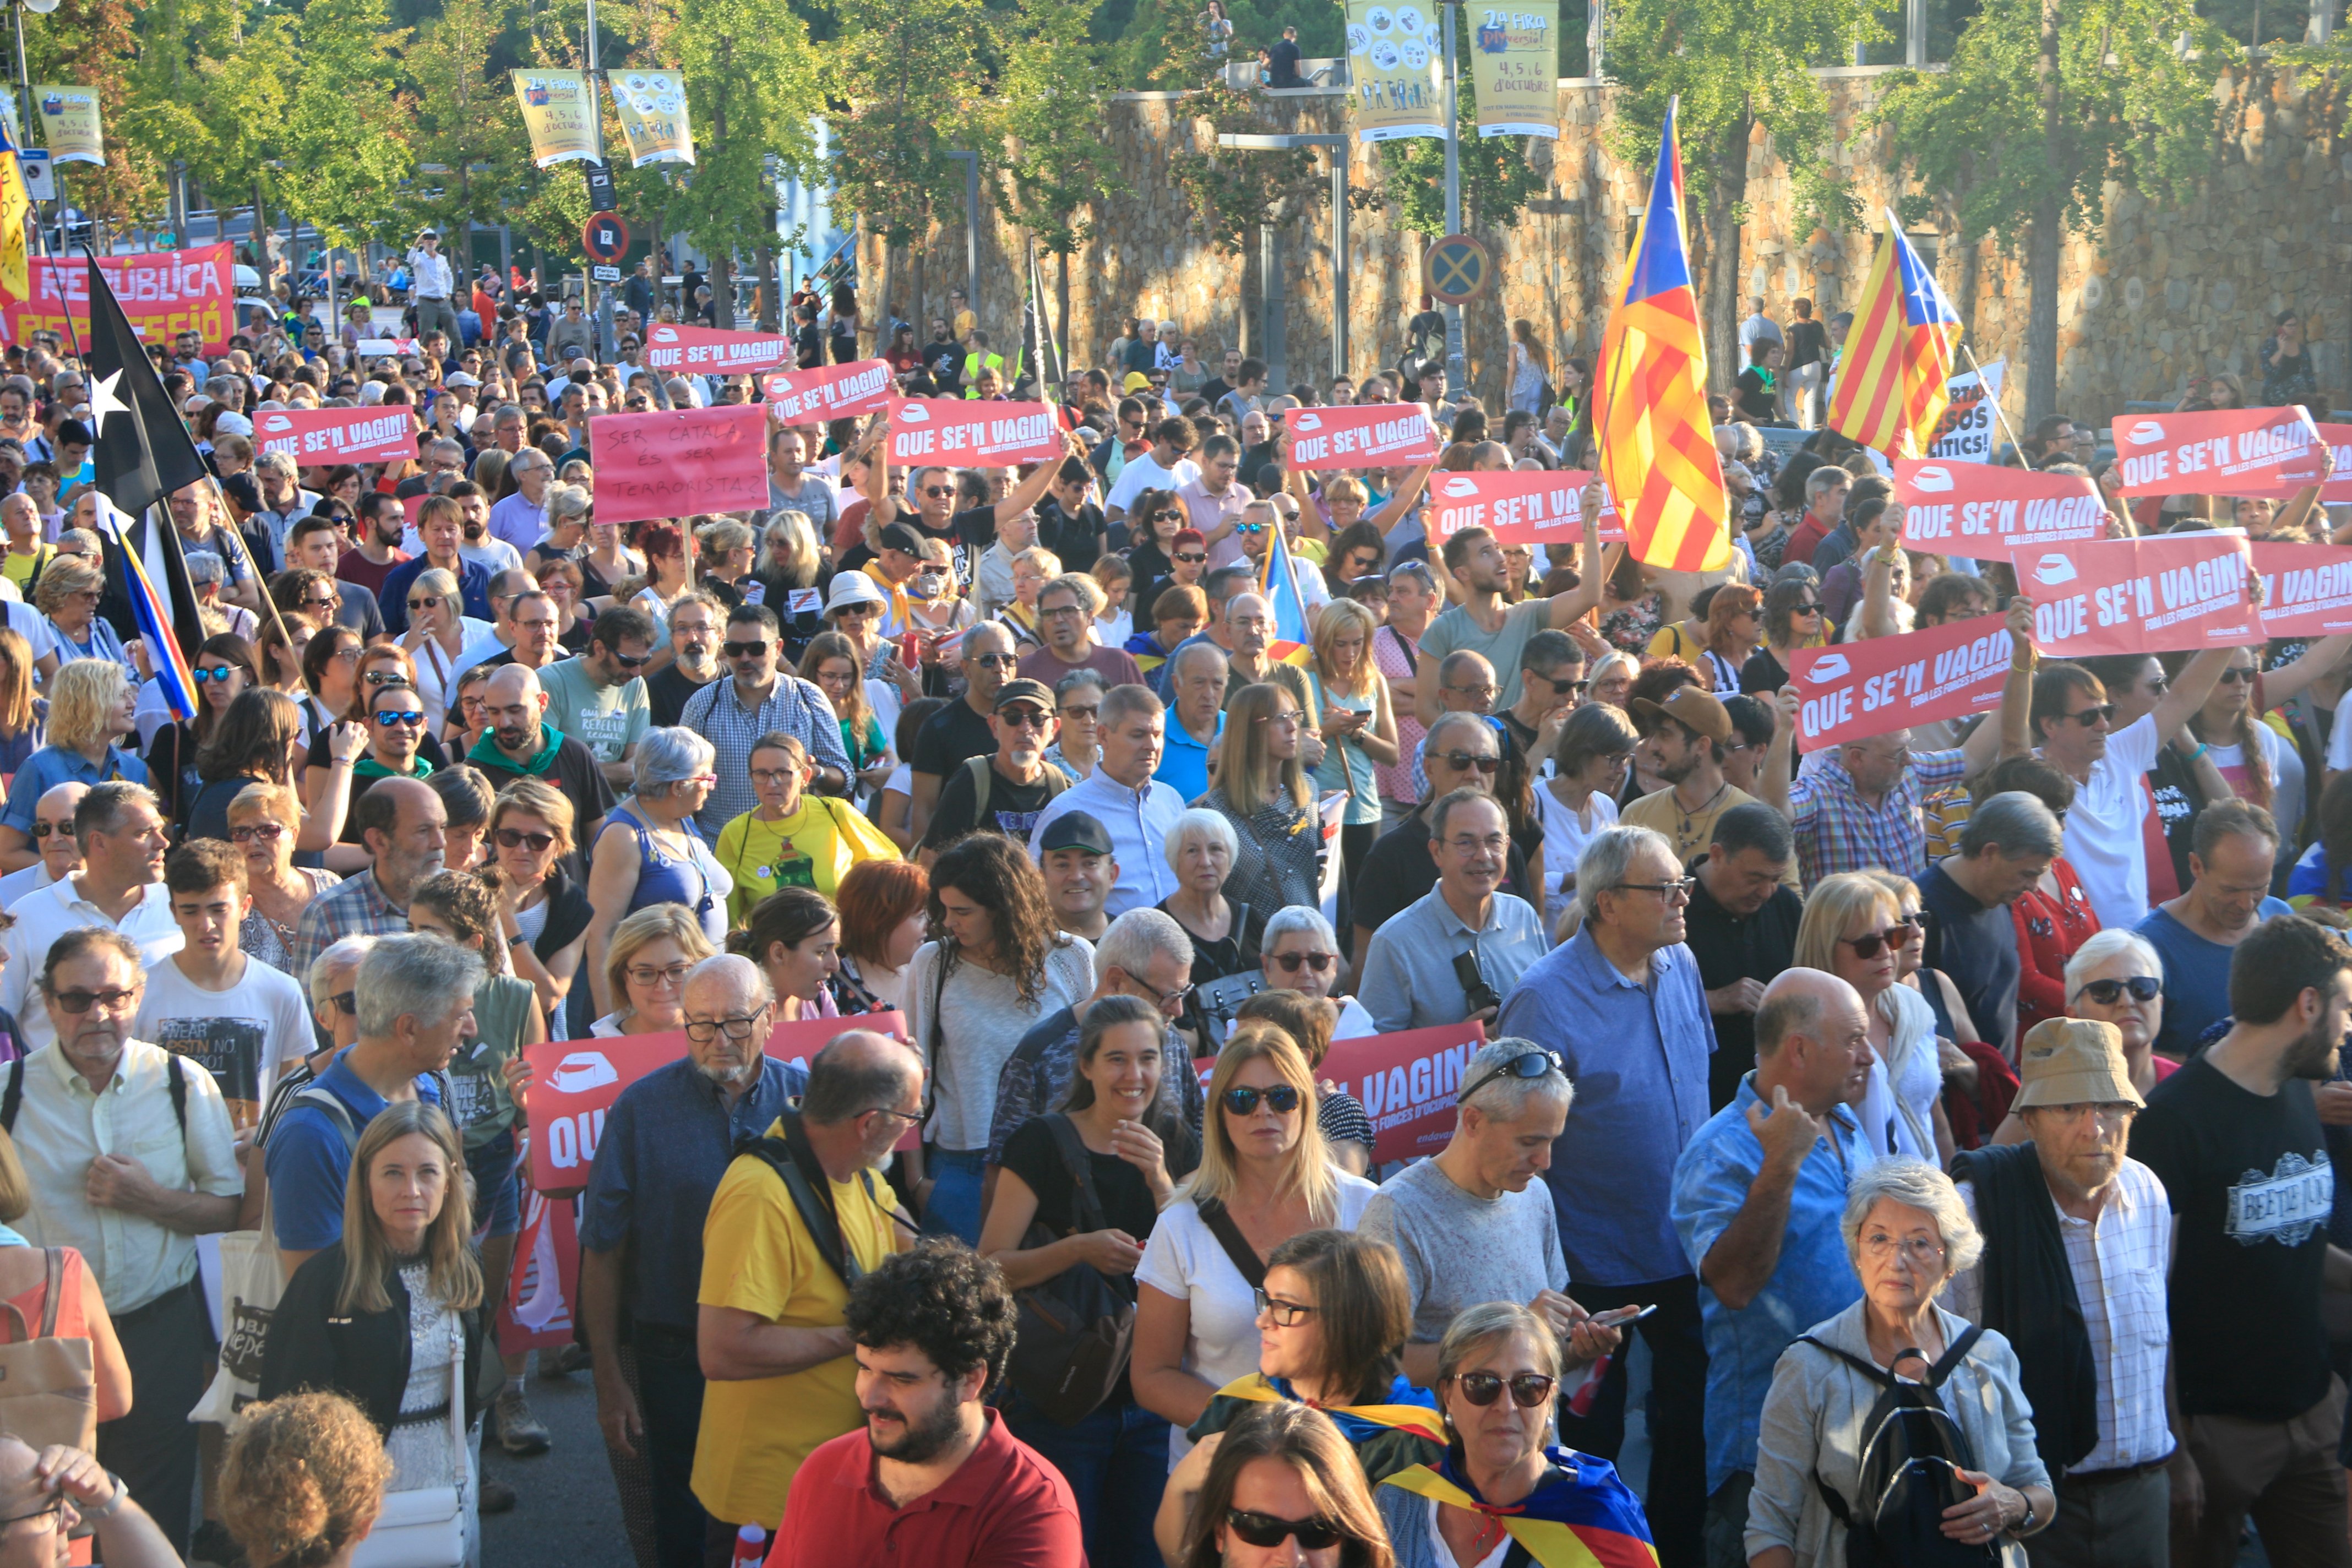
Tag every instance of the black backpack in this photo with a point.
(1912, 1454)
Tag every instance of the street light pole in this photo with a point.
(1457, 366)
(1337, 144)
(603, 297)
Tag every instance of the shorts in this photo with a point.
(498, 1187)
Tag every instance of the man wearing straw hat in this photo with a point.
(2078, 1243)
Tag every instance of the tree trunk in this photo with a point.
(1720, 277)
(659, 264)
(874, 311)
(1062, 314)
(2047, 239)
(722, 289)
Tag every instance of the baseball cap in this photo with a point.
(1136, 382)
(852, 588)
(232, 424)
(461, 379)
(1074, 830)
(1023, 689)
(898, 536)
(1693, 709)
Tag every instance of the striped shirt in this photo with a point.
(794, 706)
(1837, 830)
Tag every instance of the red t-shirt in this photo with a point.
(1803, 539)
(352, 567)
(1005, 1507)
(850, 527)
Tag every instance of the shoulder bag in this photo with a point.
(48, 1385)
(1076, 1329)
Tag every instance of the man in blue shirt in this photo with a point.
(1196, 718)
(1622, 1006)
(1758, 1201)
(440, 525)
(415, 1000)
(2234, 843)
(666, 1142)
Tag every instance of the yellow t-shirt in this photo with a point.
(1690, 835)
(758, 1257)
(814, 848)
(19, 569)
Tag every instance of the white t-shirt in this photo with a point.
(1565, 836)
(240, 1036)
(1142, 474)
(2104, 840)
(1184, 1261)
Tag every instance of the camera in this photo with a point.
(1474, 989)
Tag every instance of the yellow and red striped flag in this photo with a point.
(1891, 380)
(15, 220)
(1657, 443)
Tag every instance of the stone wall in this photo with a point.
(2163, 293)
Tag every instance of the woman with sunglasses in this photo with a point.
(330, 681)
(1354, 554)
(530, 836)
(1851, 929)
(2117, 978)
(68, 595)
(1265, 1175)
(262, 821)
(644, 970)
(1297, 951)
(1285, 1491)
(1135, 1151)
(1499, 1373)
(1158, 526)
(1792, 620)
(439, 632)
(1309, 1021)
(1332, 1316)
(1978, 1082)
(224, 667)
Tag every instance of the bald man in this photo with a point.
(1758, 1200)
(53, 839)
(520, 743)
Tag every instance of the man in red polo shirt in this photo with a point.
(935, 1478)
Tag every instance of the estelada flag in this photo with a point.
(1657, 443)
(1891, 379)
(1580, 1515)
(15, 217)
(1277, 579)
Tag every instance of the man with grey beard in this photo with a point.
(666, 1142)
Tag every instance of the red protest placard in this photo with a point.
(1407, 1082)
(1360, 436)
(679, 461)
(1981, 509)
(164, 293)
(538, 1310)
(316, 436)
(963, 432)
(2140, 596)
(830, 391)
(1855, 690)
(2306, 589)
(707, 351)
(1518, 509)
(2338, 491)
(2223, 451)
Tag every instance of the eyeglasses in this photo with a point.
(1288, 962)
(735, 1026)
(2108, 992)
(1285, 1314)
(993, 660)
(1529, 1389)
(1272, 1530)
(1282, 1096)
(1463, 761)
(425, 602)
(1525, 1065)
(743, 649)
(1023, 718)
(408, 718)
(1880, 1246)
(267, 832)
(2237, 676)
(56, 1506)
(113, 999)
(2090, 718)
(515, 838)
(668, 974)
(935, 491)
(1484, 693)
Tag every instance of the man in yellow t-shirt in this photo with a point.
(773, 1347)
(26, 555)
(792, 838)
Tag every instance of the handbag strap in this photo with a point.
(1079, 1164)
(53, 1283)
(1243, 1256)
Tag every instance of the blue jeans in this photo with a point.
(1116, 1461)
(954, 1209)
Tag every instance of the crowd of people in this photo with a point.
(1983, 1072)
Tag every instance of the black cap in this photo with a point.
(1023, 689)
(1074, 830)
(899, 537)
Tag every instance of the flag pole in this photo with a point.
(2000, 419)
(228, 527)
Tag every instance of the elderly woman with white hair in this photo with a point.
(1909, 1233)
(650, 851)
(1297, 951)
(2115, 977)
(1226, 936)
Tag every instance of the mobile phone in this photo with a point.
(1617, 1317)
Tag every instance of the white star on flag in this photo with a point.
(103, 402)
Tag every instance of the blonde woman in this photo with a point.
(1854, 928)
(1359, 725)
(1529, 371)
(726, 549)
(264, 821)
(644, 970)
(438, 631)
(1032, 569)
(1262, 790)
(1612, 677)
(1265, 1166)
(22, 729)
(90, 706)
(67, 594)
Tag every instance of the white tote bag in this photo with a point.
(431, 1527)
(251, 1283)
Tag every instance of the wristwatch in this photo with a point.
(107, 1509)
(2024, 1527)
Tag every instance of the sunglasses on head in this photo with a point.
(1527, 1064)
(1282, 1096)
(1529, 1389)
(1867, 945)
(2108, 992)
(1272, 1530)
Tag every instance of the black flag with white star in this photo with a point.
(143, 453)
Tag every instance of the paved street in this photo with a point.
(567, 1516)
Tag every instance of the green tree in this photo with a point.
(1736, 67)
(1047, 128)
(751, 86)
(2043, 104)
(95, 43)
(462, 117)
(346, 130)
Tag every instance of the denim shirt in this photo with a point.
(1638, 1056)
(1814, 1280)
(666, 1142)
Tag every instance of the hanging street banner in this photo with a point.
(712, 350)
(1855, 690)
(652, 109)
(828, 391)
(679, 461)
(1360, 435)
(71, 125)
(314, 437)
(1515, 65)
(1394, 55)
(559, 111)
(1966, 433)
(968, 434)
(1984, 510)
(2164, 594)
(2306, 589)
(163, 292)
(2224, 451)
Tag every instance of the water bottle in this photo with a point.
(750, 1547)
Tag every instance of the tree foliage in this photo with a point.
(1498, 180)
(909, 72)
(1046, 126)
(346, 129)
(752, 88)
(465, 116)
